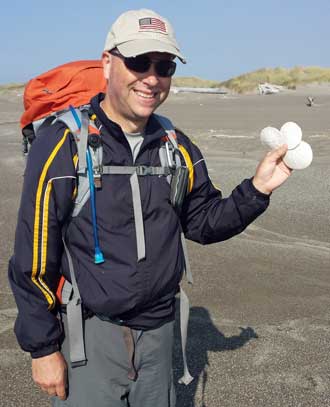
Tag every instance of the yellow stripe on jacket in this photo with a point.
(75, 164)
(189, 165)
(37, 280)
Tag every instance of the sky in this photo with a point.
(219, 38)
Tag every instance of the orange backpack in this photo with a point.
(74, 83)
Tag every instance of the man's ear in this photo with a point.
(106, 61)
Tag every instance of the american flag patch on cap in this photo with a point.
(151, 23)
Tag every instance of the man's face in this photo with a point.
(133, 96)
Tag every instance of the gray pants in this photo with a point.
(104, 382)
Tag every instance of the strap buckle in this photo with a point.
(143, 170)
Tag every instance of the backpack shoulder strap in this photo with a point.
(165, 122)
(71, 118)
(167, 125)
(179, 185)
(169, 154)
(179, 149)
(77, 120)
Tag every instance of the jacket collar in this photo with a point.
(153, 129)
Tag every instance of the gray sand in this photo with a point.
(260, 319)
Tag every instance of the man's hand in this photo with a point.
(50, 374)
(271, 171)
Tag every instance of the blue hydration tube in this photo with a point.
(98, 255)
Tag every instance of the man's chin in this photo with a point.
(145, 113)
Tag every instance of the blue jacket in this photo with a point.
(140, 293)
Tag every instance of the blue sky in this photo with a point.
(220, 38)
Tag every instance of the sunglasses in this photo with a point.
(164, 68)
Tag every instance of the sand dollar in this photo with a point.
(292, 134)
(300, 157)
(271, 137)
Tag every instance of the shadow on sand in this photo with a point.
(203, 336)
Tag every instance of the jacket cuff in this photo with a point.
(47, 350)
(256, 191)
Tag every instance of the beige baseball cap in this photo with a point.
(137, 32)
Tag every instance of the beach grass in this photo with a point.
(288, 77)
(9, 88)
(193, 82)
(12, 86)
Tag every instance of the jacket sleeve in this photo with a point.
(206, 216)
(46, 202)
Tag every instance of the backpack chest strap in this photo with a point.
(140, 170)
(134, 172)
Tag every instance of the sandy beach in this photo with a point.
(259, 333)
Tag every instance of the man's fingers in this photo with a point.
(61, 387)
(60, 391)
(277, 155)
(279, 152)
(284, 168)
(50, 390)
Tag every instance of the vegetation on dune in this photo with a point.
(12, 86)
(193, 82)
(290, 78)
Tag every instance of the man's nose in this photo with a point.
(151, 76)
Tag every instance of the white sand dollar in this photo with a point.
(292, 134)
(271, 137)
(300, 157)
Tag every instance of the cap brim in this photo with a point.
(138, 47)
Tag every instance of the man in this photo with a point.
(130, 297)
